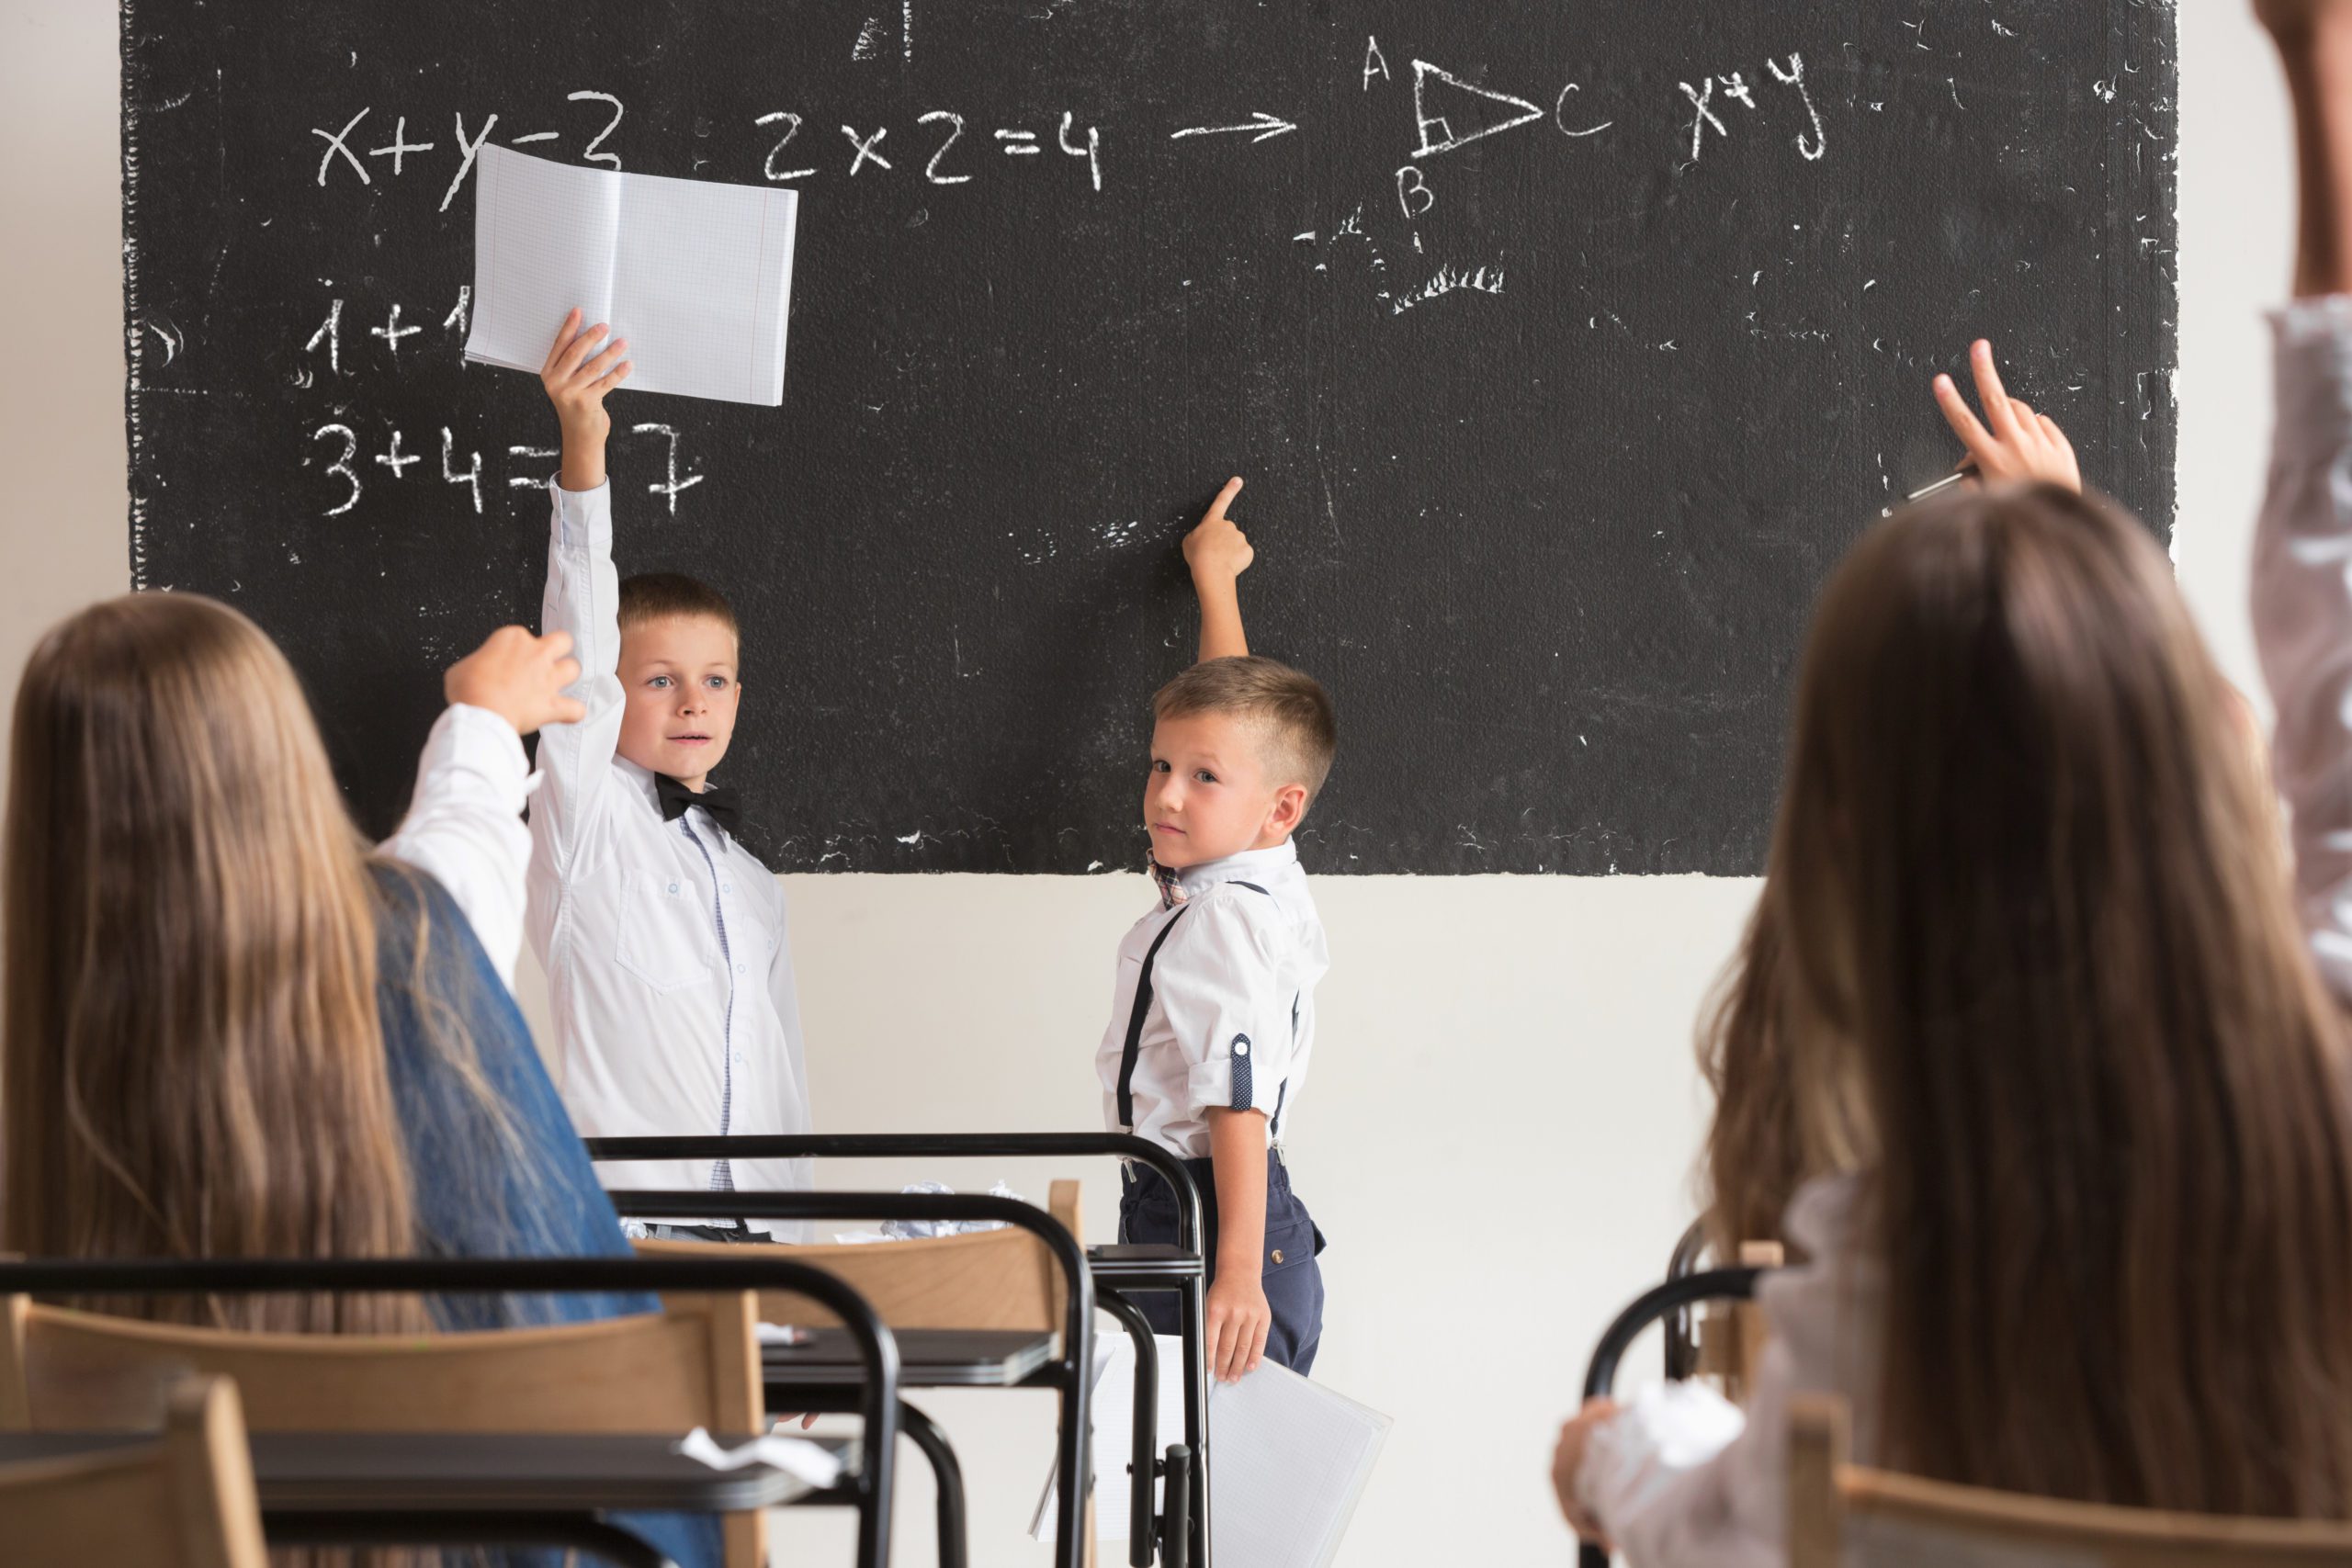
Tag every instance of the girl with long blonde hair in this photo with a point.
(231, 1030)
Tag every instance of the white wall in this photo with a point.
(1479, 1239)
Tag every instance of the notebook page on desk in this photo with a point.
(545, 235)
(1288, 1458)
(700, 283)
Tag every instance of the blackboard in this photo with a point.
(1564, 347)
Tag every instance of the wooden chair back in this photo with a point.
(1841, 1515)
(185, 1501)
(1000, 1279)
(694, 1364)
(1731, 1334)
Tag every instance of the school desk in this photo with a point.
(471, 1488)
(534, 1462)
(1182, 1533)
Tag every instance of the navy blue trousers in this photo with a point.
(1293, 1280)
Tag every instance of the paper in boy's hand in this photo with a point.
(1290, 1462)
(695, 274)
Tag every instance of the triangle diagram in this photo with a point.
(1474, 108)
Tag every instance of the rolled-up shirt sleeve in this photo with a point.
(1219, 987)
(2303, 615)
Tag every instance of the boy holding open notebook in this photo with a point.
(664, 938)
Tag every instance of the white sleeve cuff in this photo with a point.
(1668, 1431)
(483, 743)
(584, 518)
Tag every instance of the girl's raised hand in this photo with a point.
(519, 677)
(2011, 442)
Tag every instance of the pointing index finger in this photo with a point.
(1224, 498)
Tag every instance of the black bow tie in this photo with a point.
(725, 807)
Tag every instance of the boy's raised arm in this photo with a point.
(583, 590)
(1219, 553)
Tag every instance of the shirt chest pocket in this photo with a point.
(667, 938)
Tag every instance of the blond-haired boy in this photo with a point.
(665, 942)
(1212, 1007)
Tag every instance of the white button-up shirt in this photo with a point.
(1231, 1021)
(666, 947)
(465, 827)
(2303, 615)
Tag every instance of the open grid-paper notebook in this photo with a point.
(695, 274)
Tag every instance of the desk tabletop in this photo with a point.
(435, 1472)
(928, 1358)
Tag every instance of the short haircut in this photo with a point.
(1295, 711)
(661, 595)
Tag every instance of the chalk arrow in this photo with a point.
(1264, 124)
(1437, 134)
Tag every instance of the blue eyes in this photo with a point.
(1199, 775)
(664, 682)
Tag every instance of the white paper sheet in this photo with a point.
(812, 1463)
(696, 274)
(1289, 1459)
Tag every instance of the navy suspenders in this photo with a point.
(1135, 1016)
(1142, 1009)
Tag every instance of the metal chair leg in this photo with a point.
(926, 1435)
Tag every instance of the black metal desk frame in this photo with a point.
(1072, 1375)
(869, 1490)
(1185, 1528)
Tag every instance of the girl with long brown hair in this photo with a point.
(2050, 1014)
(232, 1030)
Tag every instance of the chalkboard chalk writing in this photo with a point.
(470, 478)
(1556, 434)
(468, 151)
(330, 333)
(399, 146)
(1560, 115)
(1092, 152)
(1436, 131)
(341, 467)
(590, 154)
(791, 123)
(865, 152)
(1265, 125)
(955, 129)
(391, 332)
(336, 144)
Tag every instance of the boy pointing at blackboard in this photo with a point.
(664, 938)
(1213, 1004)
